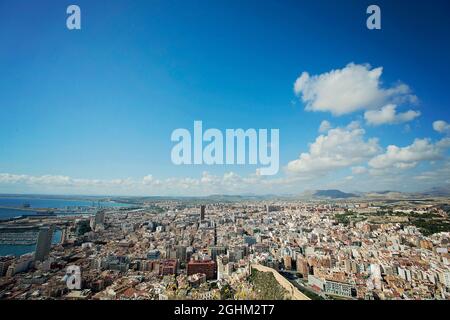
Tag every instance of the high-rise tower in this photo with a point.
(44, 243)
(202, 213)
(215, 234)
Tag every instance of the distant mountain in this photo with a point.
(385, 192)
(442, 191)
(334, 194)
(327, 194)
(387, 195)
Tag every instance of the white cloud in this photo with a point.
(150, 180)
(57, 180)
(389, 115)
(409, 156)
(359, 170)
(339, 148)
(228, 183)
(324, 126)
(440, 174)
(441, 126)
(342, 91)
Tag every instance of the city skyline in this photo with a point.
(92, 111)
(224, 158)
(254, 250)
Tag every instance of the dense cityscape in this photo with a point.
(234, 250)
(224, 159)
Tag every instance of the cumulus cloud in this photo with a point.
(206, 184)
(147, 179)
(355, 87)
(339, 148)
(359, 170)
(440, 174)
(324, 126)
(61, 181)
(409, 156)
(389, 115)
(441, 126)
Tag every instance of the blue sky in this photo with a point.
(92, 111)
